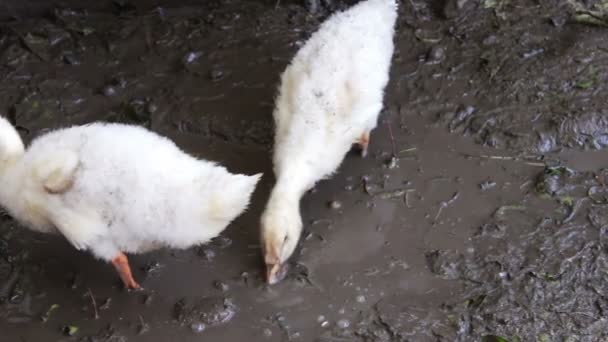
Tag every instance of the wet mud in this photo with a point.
(480, 214)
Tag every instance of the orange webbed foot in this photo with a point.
(363, 143)
(121, 263)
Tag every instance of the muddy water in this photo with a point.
(438, 243)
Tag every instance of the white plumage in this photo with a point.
(112, 188)
(330, 97)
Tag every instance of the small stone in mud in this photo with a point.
(308, 236)
(399, 263)
(151, 108)
(152, 267)
(191, 57)
(17, 294)
(267, 332)
(120, 82)
(48, 313)
(324, 324)
(109, 91)
(452, 8)
(558, 20)
(312, 5)
(221, 242)
(216, 75)
(460, 117)
(198, 327)
(343, 323)
(446, 264)
(553, 181)
(490, 40)
(143, 326)
(435, 55)
(392, 163)
(532, 53)
(207, 254)
(335, 205)
(74, 281)
(106, 304)
(360, 299)
(135, 110)
(487, 185)
(70, 59)
(220, 285)
(70, 330)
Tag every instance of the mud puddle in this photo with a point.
(473, 216)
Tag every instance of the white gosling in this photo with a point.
(329, 99)
(114, 189)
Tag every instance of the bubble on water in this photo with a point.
(325, 324)
(343, 323)
(360, 299)
(198, 327)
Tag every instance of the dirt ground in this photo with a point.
(481, 213)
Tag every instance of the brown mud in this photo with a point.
(481, 213)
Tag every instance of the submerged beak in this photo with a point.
(275, 273)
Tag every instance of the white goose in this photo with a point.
(330, 97)
(112, 188)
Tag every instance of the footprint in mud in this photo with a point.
(446, 264)
(105, 335)
(204, 312)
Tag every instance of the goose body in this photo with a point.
(113, 188)
(329, 99)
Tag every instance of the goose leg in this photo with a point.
(121, 263)
(364, 143)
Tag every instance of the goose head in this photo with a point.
(281, 228)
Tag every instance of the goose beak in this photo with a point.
(275, 273)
